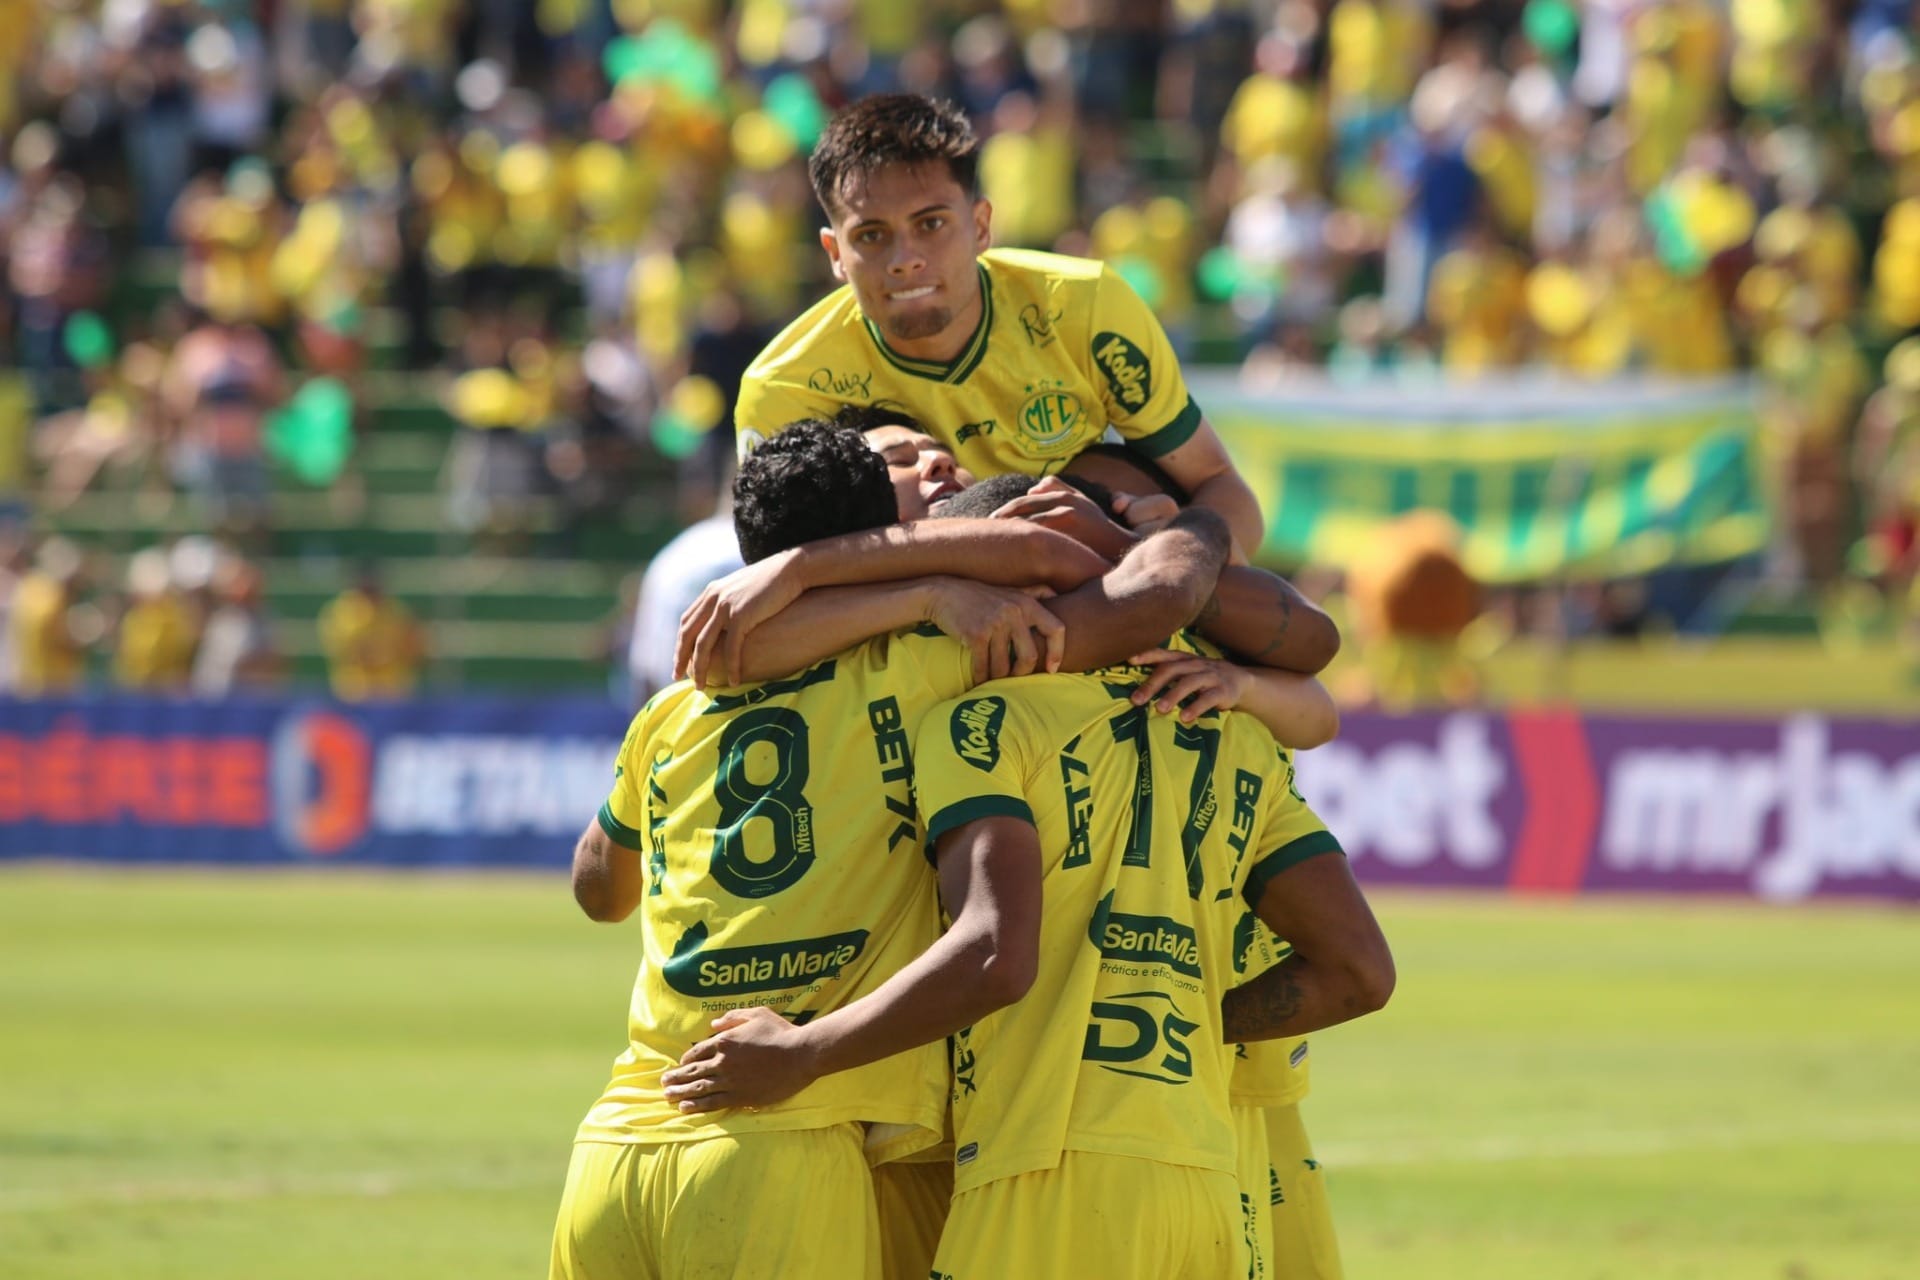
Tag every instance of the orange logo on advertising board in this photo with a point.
(322, 778)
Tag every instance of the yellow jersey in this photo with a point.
(784, 868)
(1064, 349)
(157, 640)
(46, 659)
(372, 645)
(1273, 1073)
(1149, 831)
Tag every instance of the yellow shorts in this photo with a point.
(913, 1197)
(1115, 1217)
(762, 1206)
(1284, 1197)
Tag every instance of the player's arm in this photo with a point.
(1296, 709)
(607, 879)
(1261, 618)
(1007, 553)
(1340, 968)
(990, 882)
(1008, 632)
(1155, 591)
(1204, 469)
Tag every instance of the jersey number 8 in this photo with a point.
(779, 800)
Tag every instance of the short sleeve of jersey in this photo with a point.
(764, 407)
(1140, 381)
(1291, 834)
(969, 764)
(623, 817)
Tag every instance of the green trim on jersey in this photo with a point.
(1285, 858)
(949, 371)
(619, 832)
(1172, 436)
(961, 812)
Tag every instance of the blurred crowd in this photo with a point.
(577, 220)
(189, 617)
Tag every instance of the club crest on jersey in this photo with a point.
(1128, 373)
(976, 732)
(1051, 418)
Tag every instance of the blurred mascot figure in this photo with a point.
(1412, 599)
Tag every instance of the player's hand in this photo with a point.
(1055, 504)
(1010, 633)
(1145, 513)
(754, 1058)
(1192, 684)
(714, 629)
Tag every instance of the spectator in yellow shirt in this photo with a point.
(373, 645)
(158, 633)
(47, 651)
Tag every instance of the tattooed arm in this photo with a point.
(1340, 968)
(1261, 619)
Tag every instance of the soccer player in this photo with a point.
(1092, 1118)
(1016, 360)
(767, 835)
(1293, 1232)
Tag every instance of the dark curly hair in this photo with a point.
(892, 129)
(813, 480)
(989, 495)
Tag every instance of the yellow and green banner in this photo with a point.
(1545, 480)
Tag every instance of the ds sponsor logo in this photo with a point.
(1141, 1034)
(976, 732)
(1129, 376)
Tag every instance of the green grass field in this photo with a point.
(308, 1075)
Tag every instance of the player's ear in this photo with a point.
(831, 243)
(982, 225)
